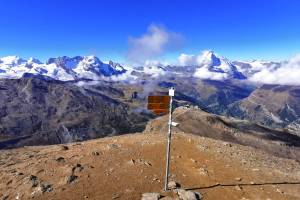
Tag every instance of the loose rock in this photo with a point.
(238, 179)
(34, 181)
(77, 167)
(113, 146)
(238, 188)
(63, 147)
(202, 147)
(227, 144)
(95, 153)
(203, 171)
(71, 178)
(46, 187)
(280, 191)
(5, 197)
(150, 196)
(173, 185)
(115, 196)
(131, 162)
(60, 159)
(188, 195)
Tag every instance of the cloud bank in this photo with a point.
(204, 73)
(154, 43)
(188, 60)
(206, 57)
(287, 74)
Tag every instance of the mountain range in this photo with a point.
(81, 97)
(207, 66)
(61, 68)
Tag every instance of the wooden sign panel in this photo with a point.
(159, 104)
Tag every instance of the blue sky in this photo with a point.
(237, 29)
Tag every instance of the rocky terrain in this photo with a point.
(126, 167)
(213, 96)
(35, 111)
(212, 157)
(196, 121)
(275, 106)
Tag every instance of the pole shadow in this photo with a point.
(243, 184)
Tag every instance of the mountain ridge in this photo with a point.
(205, 66)
(62, 68)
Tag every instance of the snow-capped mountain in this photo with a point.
(61, 68)
(218, 68)
(206, 65)
(12, 60)
(249, 68)
(88, 67)
(14, 66)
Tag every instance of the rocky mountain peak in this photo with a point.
(209, 58)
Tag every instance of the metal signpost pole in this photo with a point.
(171, 94)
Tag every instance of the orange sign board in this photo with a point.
(159, 104)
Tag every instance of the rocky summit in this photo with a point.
(133, 166)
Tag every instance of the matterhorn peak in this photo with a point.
(208, 53)
(209, 58)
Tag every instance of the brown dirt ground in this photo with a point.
(130, 165)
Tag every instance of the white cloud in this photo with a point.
(125, 77)
(287, 74)
(154, 43)
(187, 60)
(154, 71)
(156, 63)
(204, 58)
(204, 73)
